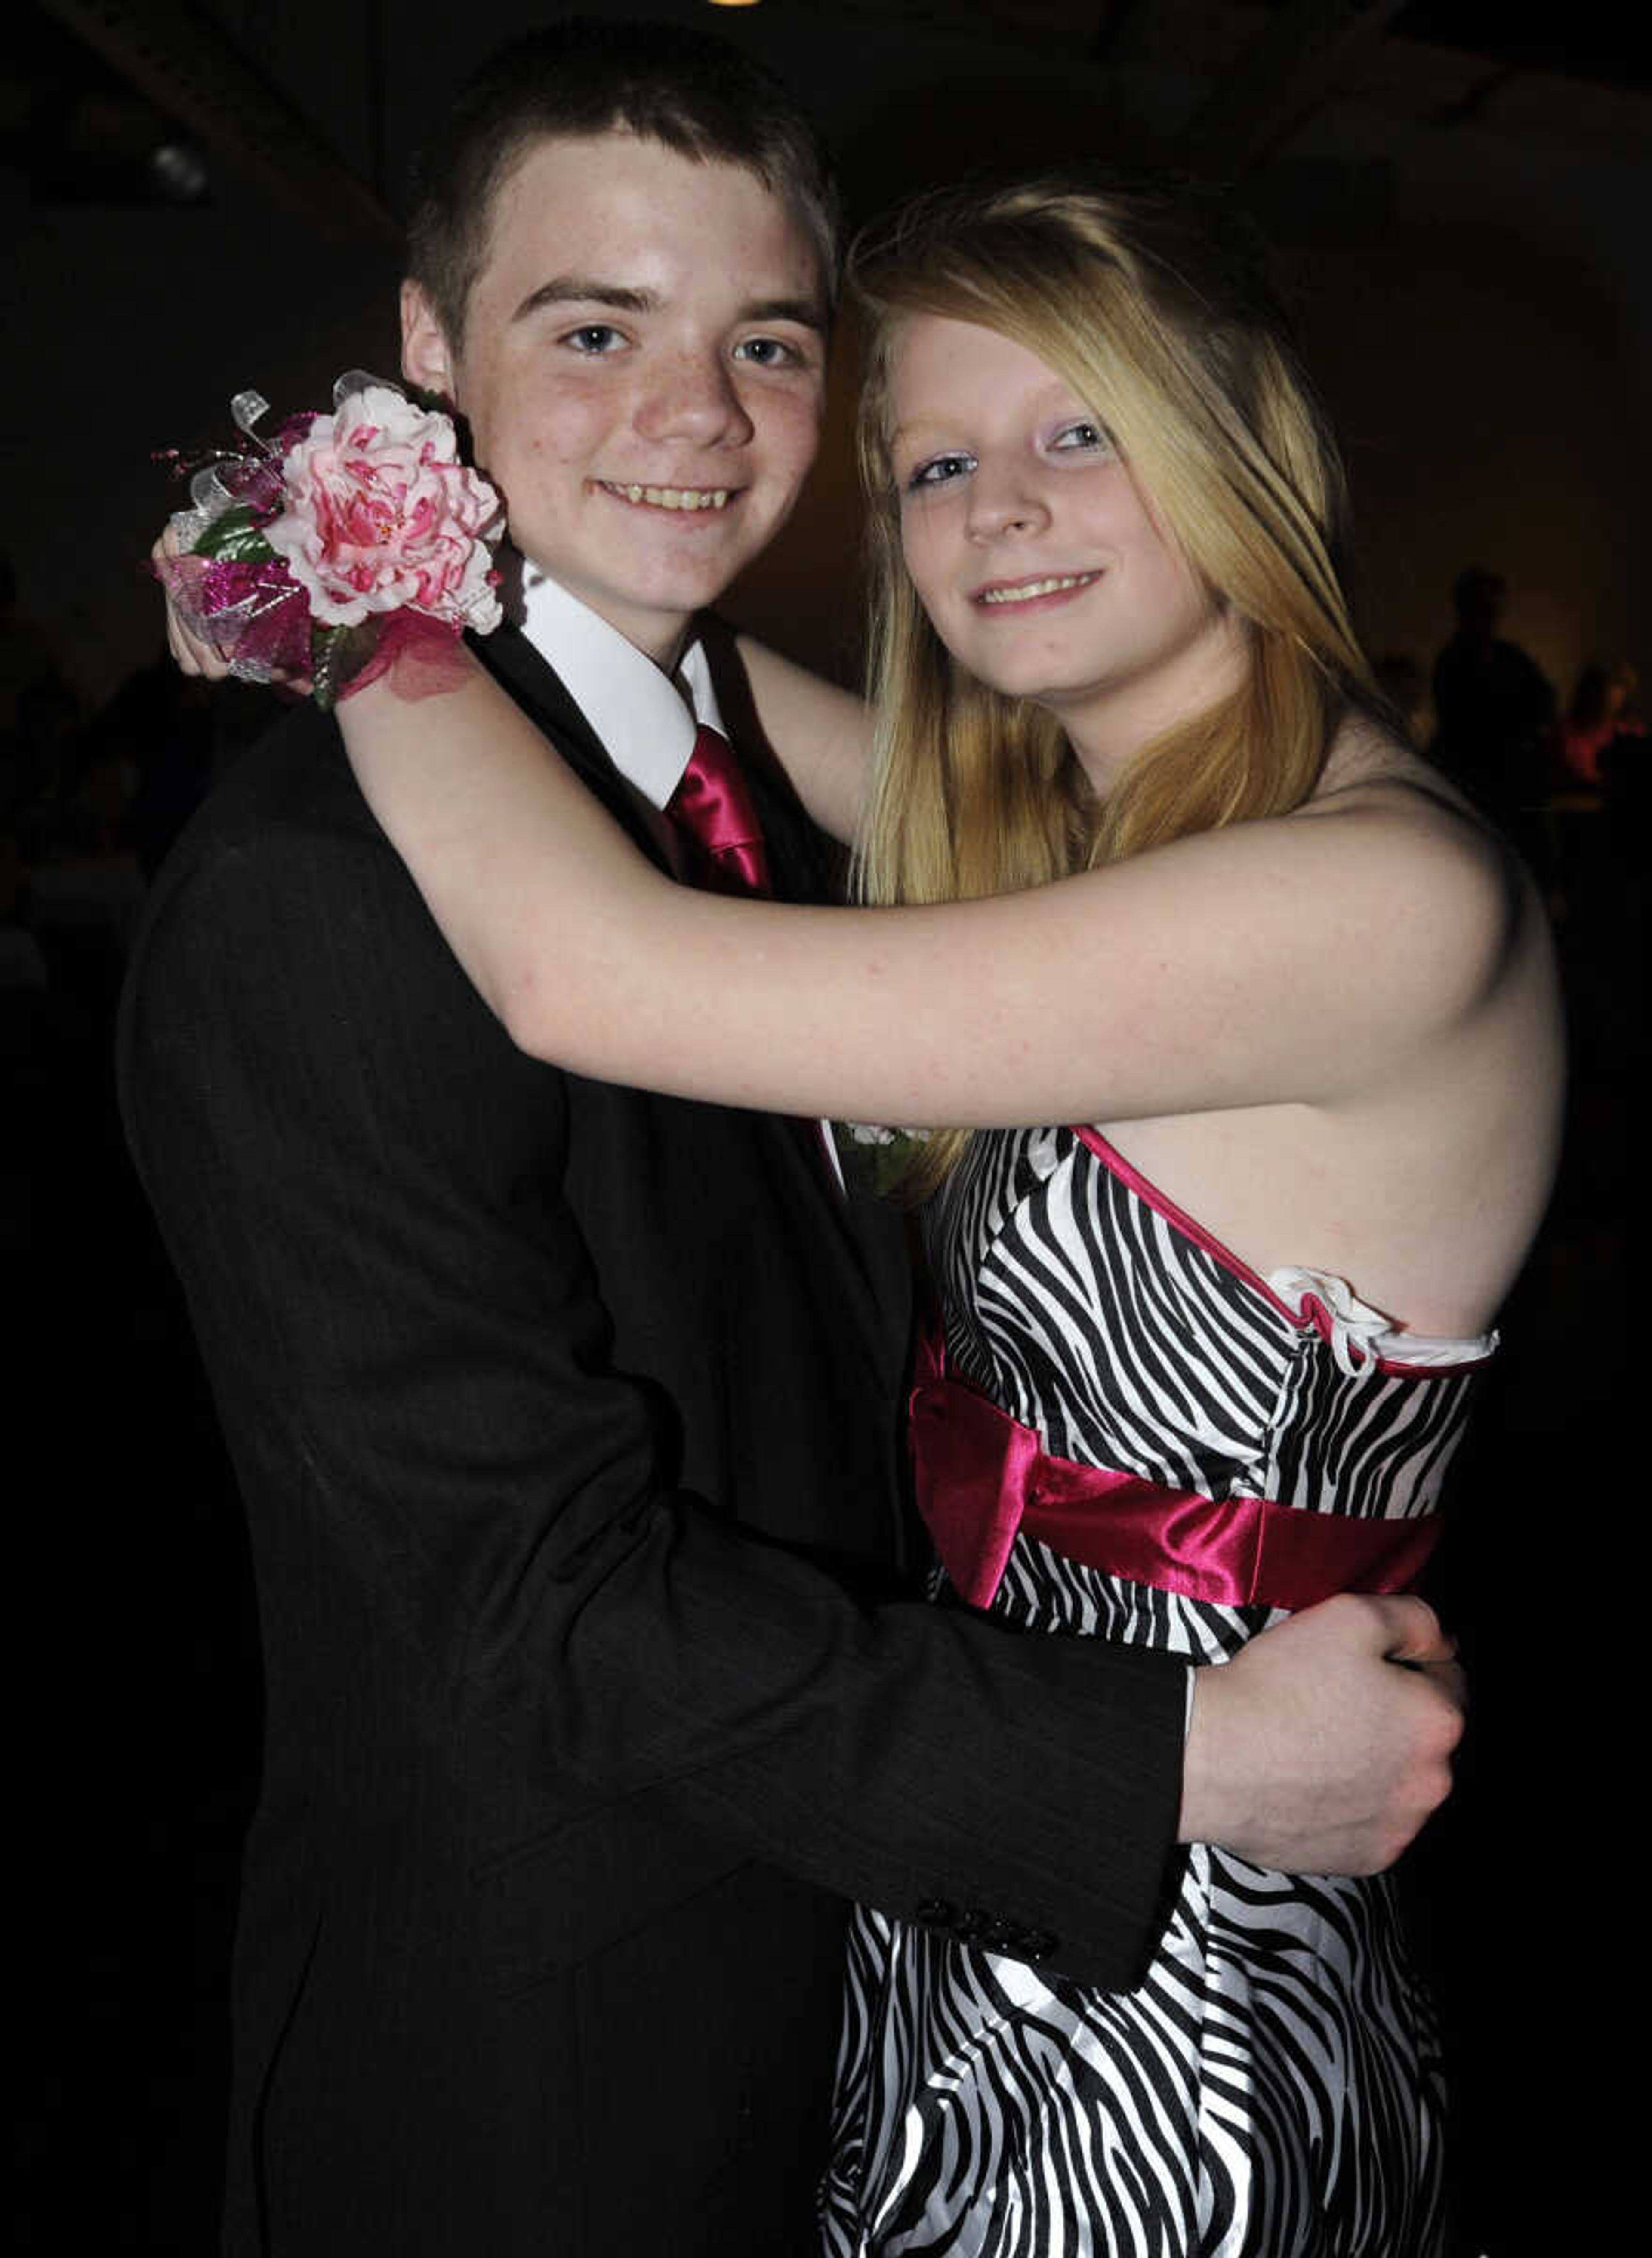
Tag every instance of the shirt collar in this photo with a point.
(643, 718)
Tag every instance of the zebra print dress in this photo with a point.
(1272, 2089)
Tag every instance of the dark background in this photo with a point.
(202, 198)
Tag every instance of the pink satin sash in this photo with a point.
(980, 1477)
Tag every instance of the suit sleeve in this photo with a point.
(404, 1330)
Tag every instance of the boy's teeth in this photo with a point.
(673, 497)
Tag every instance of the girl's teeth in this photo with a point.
(1031, 588)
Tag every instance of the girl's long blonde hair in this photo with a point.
(1151, 307)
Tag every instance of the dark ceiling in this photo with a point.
(140, 101)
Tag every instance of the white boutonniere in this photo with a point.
(881, 1156)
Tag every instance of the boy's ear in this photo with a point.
(427, 361)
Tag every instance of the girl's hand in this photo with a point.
(193, 652)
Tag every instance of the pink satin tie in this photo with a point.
(712, 809)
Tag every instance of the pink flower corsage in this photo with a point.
(344, 547)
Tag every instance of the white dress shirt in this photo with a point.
(643, 718)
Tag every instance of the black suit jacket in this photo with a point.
(565, 1418)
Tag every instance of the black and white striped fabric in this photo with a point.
(1273, 2088)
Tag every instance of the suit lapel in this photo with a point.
(863, 1245)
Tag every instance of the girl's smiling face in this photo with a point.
(1041, 564)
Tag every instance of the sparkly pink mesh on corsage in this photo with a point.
(347, 548)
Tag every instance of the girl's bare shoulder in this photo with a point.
(1369, 767)
(1400, 804)
(1441, 877)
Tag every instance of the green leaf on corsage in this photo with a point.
(336, 656)
(234, 536)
